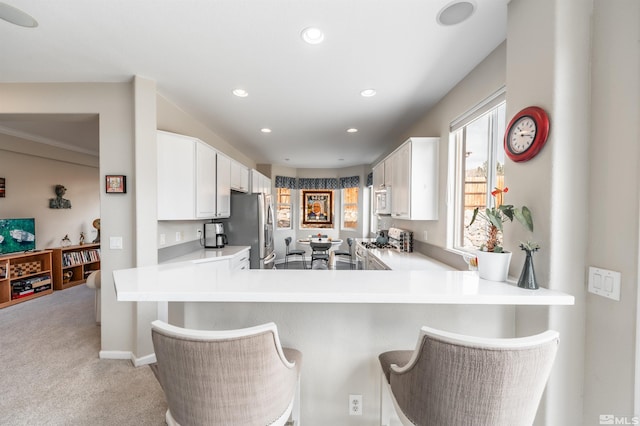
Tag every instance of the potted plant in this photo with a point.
(493, 261)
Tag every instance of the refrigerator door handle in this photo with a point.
(269, 258)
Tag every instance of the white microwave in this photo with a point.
(382, 201)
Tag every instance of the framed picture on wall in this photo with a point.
(317, 207)
(2, 190)
(116, 184)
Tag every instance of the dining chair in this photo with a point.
(348, 253)
(230, 377)
(463, 380)
(320, 252)
(294, 252)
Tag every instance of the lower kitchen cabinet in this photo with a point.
(24, 276)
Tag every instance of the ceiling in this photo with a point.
(199, 51)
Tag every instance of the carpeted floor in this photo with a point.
(50, 373)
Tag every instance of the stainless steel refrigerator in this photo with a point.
(251, 224)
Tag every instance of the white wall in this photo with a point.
(614, 186)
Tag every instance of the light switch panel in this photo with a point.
(604, 283)
(115, 243)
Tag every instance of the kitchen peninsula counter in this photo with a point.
(198, 281)
(339, 319)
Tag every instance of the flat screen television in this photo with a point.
(17, 235)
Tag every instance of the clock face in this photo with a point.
(526, 134)
(522, 135)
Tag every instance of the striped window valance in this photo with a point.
(285, 182)
(370, 179)
(350, 182)
(317, 183)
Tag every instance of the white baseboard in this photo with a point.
(116, 355)
(144, 360)
(137, 362)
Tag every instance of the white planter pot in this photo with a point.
(493, 266)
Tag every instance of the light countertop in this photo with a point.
(403, 261)
(203, 282)
(209, 255)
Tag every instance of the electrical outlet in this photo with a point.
(178, 236)
(199, 233)
(424, 235)
(355, 405)
(163, 239)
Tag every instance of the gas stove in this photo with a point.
(377, 245)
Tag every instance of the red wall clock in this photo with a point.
(526, 134)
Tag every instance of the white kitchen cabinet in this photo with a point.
(415, 179)
(260, 183)
(378, 175)
(382, 173)
(205, 181)
(401, 182)
(239, 177)
(241, 260)
(186, 178)
(223, 186)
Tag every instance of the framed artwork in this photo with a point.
(116, 184)
(317, 207)
(2, 189)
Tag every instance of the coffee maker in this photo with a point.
(214, 236)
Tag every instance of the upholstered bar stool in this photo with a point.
(452, 379)
(231, 377)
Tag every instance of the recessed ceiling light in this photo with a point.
(241, 93)
(265, 130)
(367, 93)
(312, 35)
(456, 12)
(352, 130)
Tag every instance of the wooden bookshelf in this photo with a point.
(24, 276)
(72, 264)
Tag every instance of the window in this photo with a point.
(478, 167)
(350, 208)
(283, 208)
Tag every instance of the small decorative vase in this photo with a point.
(528, 276)
(493, 266)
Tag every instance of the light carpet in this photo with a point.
(50, 373)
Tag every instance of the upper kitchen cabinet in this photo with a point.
(223, 192)
(414, 179)
(382, 173)
(186, 178)
(260, 183)
(239, 177)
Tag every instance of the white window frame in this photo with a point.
(455, 193)
(290, 204)
(344, 204)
